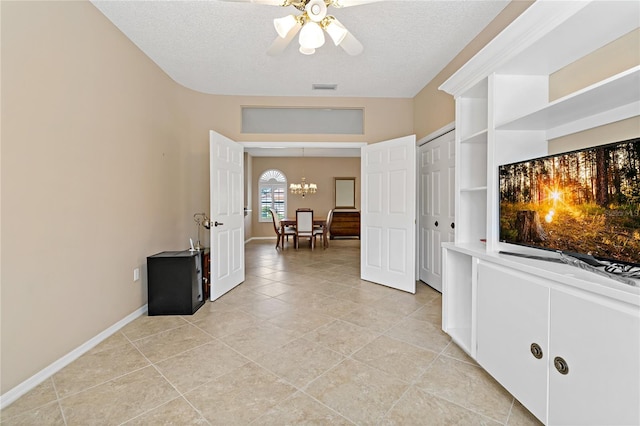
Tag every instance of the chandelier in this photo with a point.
(303, 188)
(312, 24)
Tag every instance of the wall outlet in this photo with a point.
(136, 274)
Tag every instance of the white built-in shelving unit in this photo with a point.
(503, 115)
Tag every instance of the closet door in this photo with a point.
(436, 167)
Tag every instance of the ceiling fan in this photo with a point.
(312, 23)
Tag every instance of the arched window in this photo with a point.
(273, 194)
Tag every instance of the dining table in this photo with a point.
(316, 222)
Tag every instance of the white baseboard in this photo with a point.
(33, 381)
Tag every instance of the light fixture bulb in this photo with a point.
(284, 25)
(307, 51)
(311, 36)
(336, 30)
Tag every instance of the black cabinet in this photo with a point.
(175, 282)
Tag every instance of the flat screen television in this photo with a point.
(583, 203)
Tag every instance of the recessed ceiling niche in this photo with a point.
(334, 121)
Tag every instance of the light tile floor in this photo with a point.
(302, 341)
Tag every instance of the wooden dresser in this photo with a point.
(345, 223)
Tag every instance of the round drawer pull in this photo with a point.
(561, 365)
(536, 350)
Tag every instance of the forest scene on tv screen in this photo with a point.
(582, 202)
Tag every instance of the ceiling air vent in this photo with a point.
(324, 87)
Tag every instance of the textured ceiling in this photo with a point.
(219, 47)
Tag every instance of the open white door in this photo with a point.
(388, 230)
(227, 214)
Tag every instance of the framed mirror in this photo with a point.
(345, 190)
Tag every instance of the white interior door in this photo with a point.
(227, 214)
(436, 167)
(388, 219)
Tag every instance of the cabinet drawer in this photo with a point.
(345, 224)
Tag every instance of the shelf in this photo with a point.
(570, 276)
(479, 137)
(619, 93)
(476, 249)
(472, 171)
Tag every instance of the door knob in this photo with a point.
(453, 225)
(536, 350)
(218, 223)
(561, 365)
(436, 223)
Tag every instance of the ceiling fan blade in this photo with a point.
(348, 3)
(268, 2)
(351, 45)
(279, 44)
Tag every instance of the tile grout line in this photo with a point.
(58, 400)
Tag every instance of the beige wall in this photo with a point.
(617, 56)
(618, 131)
(384, 118)
(92, 179)
(318, 170)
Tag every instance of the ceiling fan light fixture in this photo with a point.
(284, 25)
(310, 26)
(311, 36)
(335, 29)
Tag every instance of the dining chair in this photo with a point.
(304, 227)
(327, 225)
(276, 226)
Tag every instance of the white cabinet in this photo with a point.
(525, 326)
(513, 315)
(599, 340)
